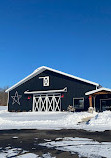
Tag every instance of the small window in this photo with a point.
(78, 103)
(45, 80)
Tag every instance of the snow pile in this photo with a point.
(101, 122)
(10, 152)
(41, 120)
(20, 153)
(28, 155)
(83, 146)
(3, 108)
(72, 119)
(55, 120)
(31, 155)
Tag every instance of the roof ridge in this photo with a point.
(43, 68)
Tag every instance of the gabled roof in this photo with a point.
(98, 90)
(43, 68)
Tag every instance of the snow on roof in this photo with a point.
(43, 68)
(48, 91)
(98, 90)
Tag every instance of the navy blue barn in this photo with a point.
(47, 89)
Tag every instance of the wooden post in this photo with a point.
(90, 101)
(94, 102)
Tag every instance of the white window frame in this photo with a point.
(46, 81)
(78, 98)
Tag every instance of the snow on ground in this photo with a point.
(41, 120)
(101, 122)
(83, 146)
(19, 153)
(54, 120)
(3, 107)
(31, 155)
(9, 152)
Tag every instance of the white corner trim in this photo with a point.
(98, 90)
(43, 68)
(8, 99)
(48, 91)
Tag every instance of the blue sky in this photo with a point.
(72, 36)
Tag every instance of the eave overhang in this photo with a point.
(99, 91)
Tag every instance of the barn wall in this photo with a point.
(75, 89)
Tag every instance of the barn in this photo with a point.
(47, 89)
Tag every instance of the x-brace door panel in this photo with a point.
(47, 103)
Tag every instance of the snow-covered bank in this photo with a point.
(9, 152)
(101, 122)
(41, 120)
(3, 108)
(54, 120)
(83, 146)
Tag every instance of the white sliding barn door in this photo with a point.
(47, 102)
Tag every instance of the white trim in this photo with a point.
(33, 102)
(48, 91)
(78, 98)
(8, 99)
(43, 68)
(45, 81)
(98, 90)
(46, 105)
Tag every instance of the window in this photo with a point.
(45, 80)
(78, 103)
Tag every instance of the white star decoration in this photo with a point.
(16, 98)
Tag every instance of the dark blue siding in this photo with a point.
(75, 88)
